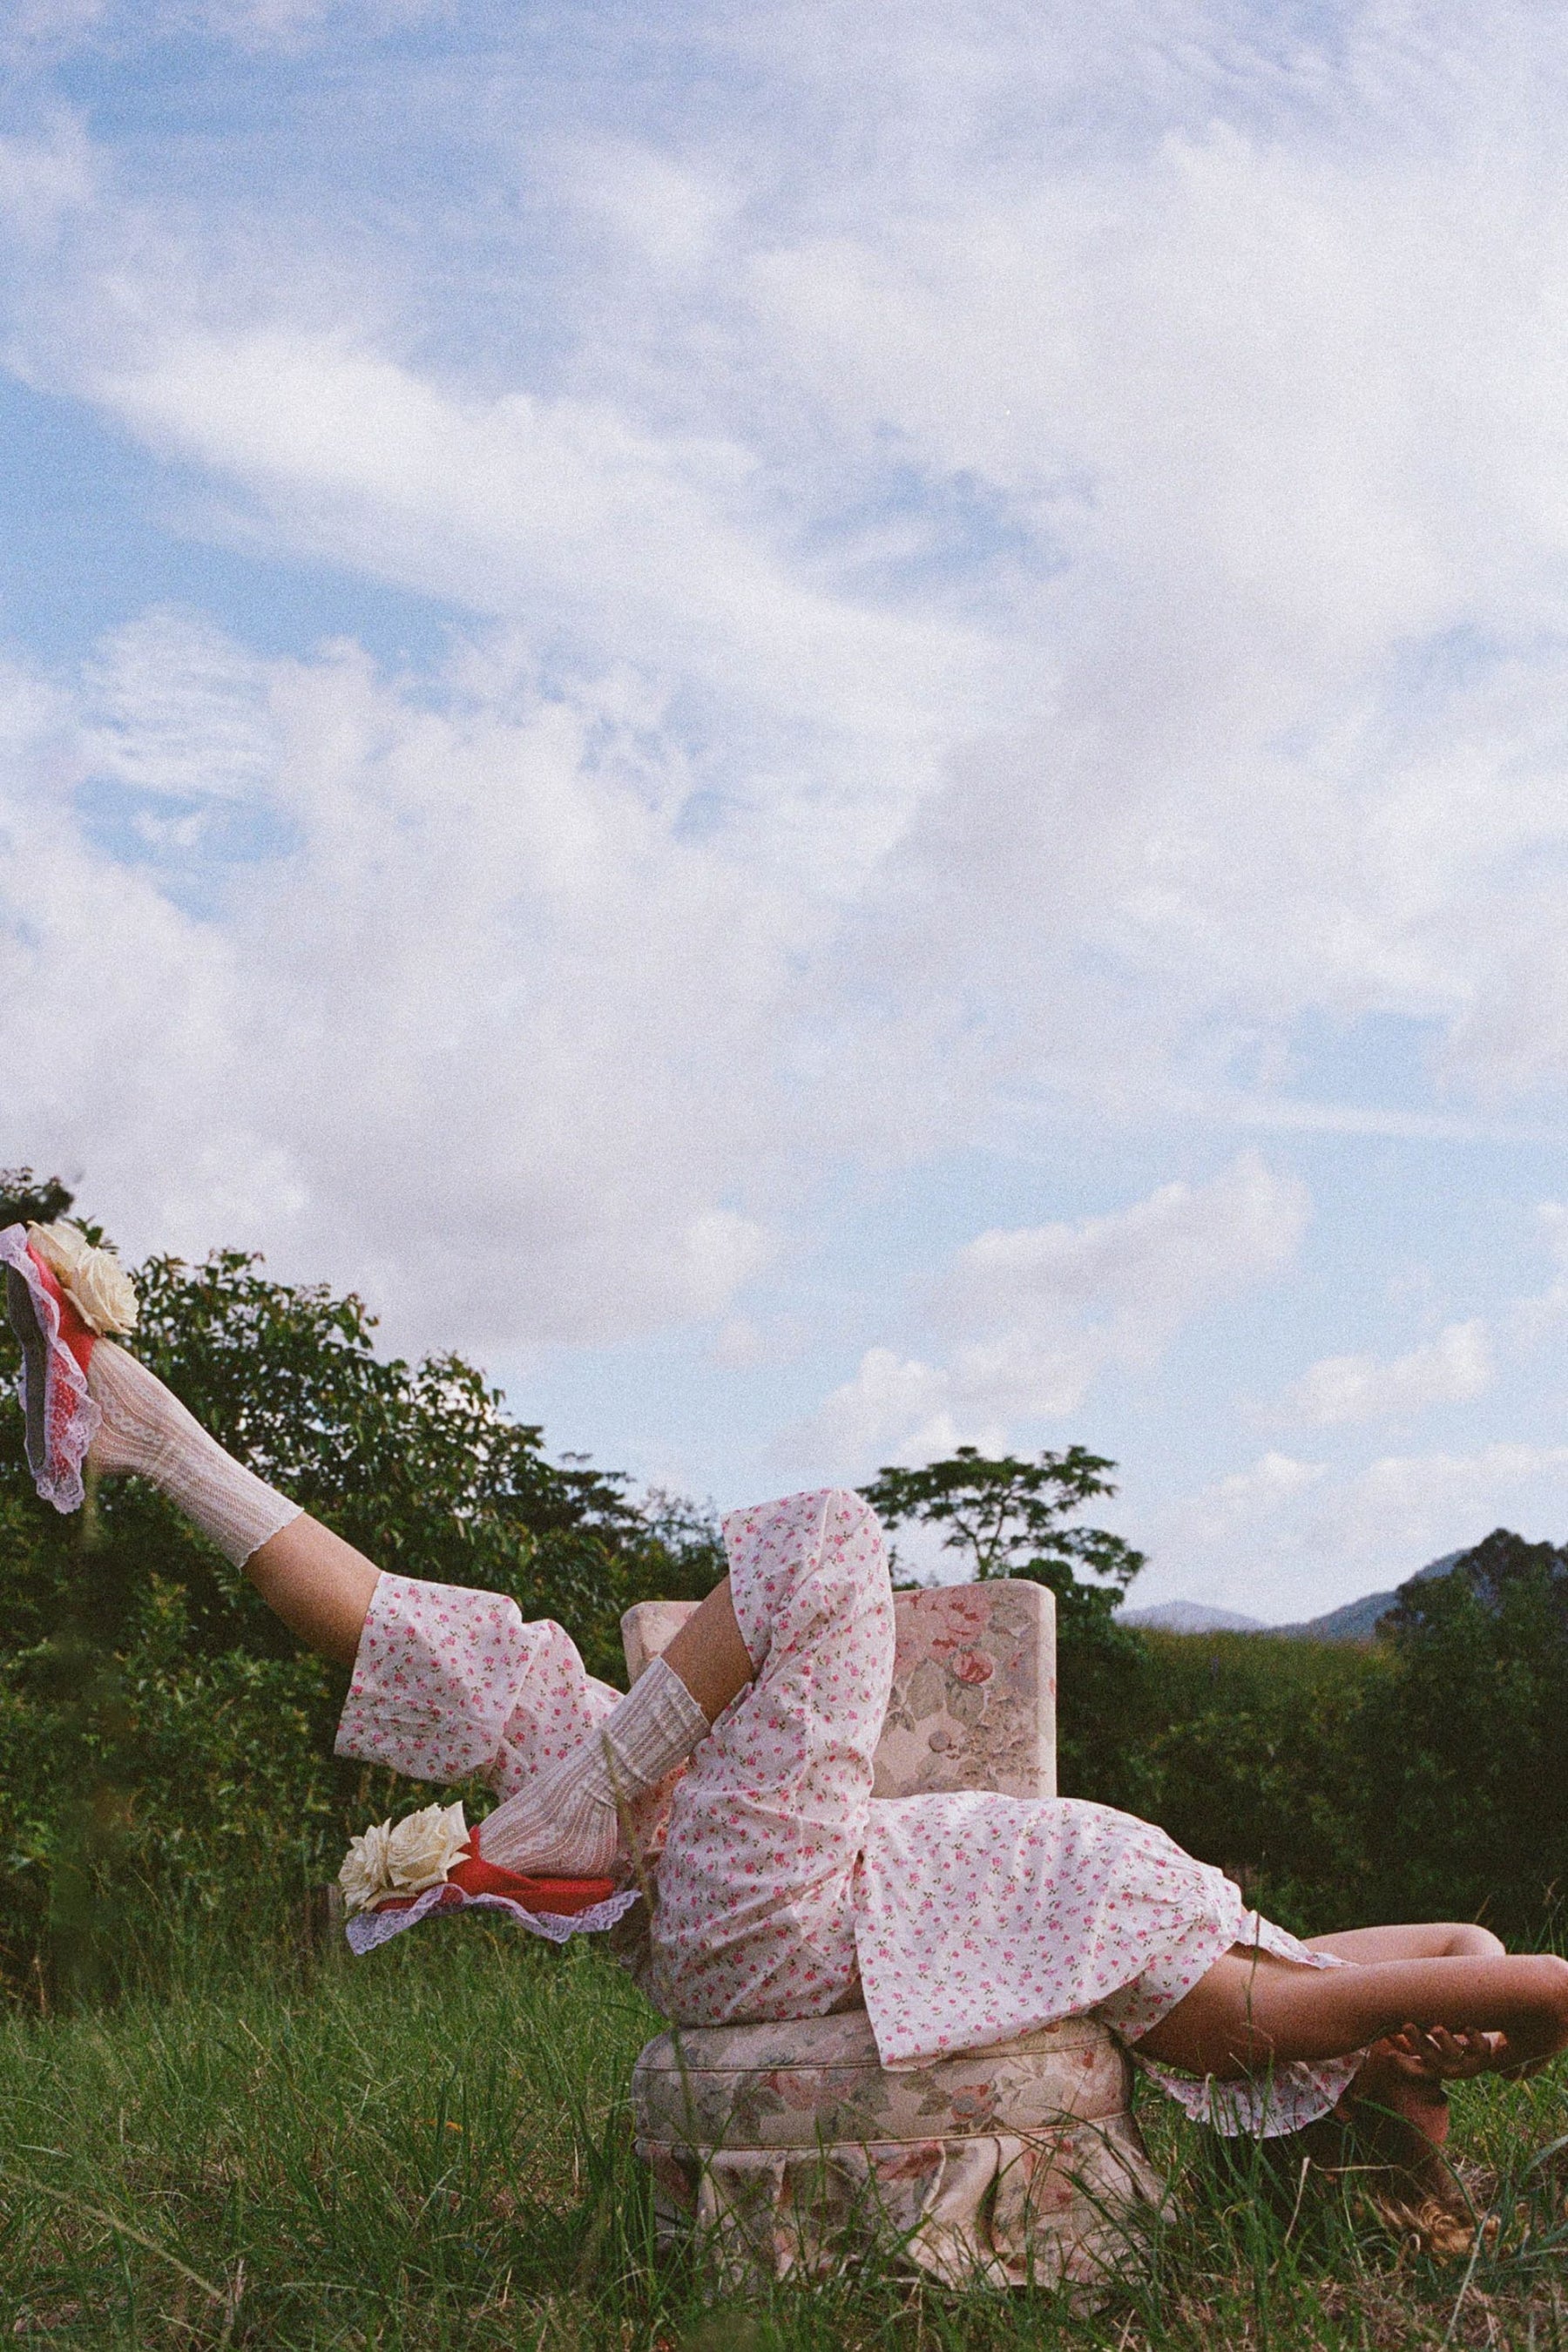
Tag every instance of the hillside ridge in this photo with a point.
(1354, 1620)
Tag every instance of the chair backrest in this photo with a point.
(973, 1703)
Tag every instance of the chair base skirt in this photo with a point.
(787, 2150)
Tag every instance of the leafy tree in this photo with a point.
(29, 1200)
(1005, 1514)
(1471, 1806)
(1008, 1516)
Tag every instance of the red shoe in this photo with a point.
(59, 1416)
(557, 1898)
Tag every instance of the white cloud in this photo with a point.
(672, 213)
(1449, 1370)
(1532, 1318)
(895, 1404)
(1048, 1308)
(456, 1035)
(981, 496)
(1144, 1268)
(257, 26)
(44, 182)
(176, 707)
(1235, 1506)
(632, 547)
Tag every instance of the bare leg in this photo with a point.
(709, 1655)
(1439, 1939)
(1406, 2073)
(321, 1588)
(318, 1584)
(1251, 2011)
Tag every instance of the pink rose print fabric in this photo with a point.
(784, 1888)
(756, 1914)
(449, 1681)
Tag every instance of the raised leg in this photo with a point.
(709, 1655)
(756, 1914)
(570, 1819)
(320, 1585)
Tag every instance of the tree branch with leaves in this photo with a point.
(1005, 1516)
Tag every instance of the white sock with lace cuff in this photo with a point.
(146, 1430)
(566, 1823)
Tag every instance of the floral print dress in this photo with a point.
(783, 1887)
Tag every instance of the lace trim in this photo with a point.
(1295, 2094)
(1292, 2094)
(369, 1929)
(66, 1414)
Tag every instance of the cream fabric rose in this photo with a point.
(424, 1846)
(62, 1247)
(403, 1859)
(103, 1293)
(364, 1877)
(93, 1279)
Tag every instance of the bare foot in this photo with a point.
(1396, 2117)
(1399, 2081)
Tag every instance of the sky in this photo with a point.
(834, 728)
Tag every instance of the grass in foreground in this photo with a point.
(430, 2149)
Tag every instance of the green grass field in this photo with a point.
(430, 2148)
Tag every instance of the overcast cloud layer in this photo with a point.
(838, 729)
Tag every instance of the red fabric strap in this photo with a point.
(561, 1898)
(74, 1333)
(561, 1895)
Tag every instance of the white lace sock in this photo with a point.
(566, 1823)
(147, 1430)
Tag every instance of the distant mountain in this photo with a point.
(1191, 1617)
(1357, 1620)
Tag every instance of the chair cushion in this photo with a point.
(789, 2146)
(798, 2084)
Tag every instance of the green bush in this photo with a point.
(1251, 1753)
(1469, 1733)
(1421, 1776)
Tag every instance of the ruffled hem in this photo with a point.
(370, 1928)
(1290, 2096)
(60, 1424)
(1286, 2099)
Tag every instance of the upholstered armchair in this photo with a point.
(788, 2147)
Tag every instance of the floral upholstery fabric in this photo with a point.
(973, 1702)
(789, 2146)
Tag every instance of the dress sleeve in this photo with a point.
(449, 1681)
